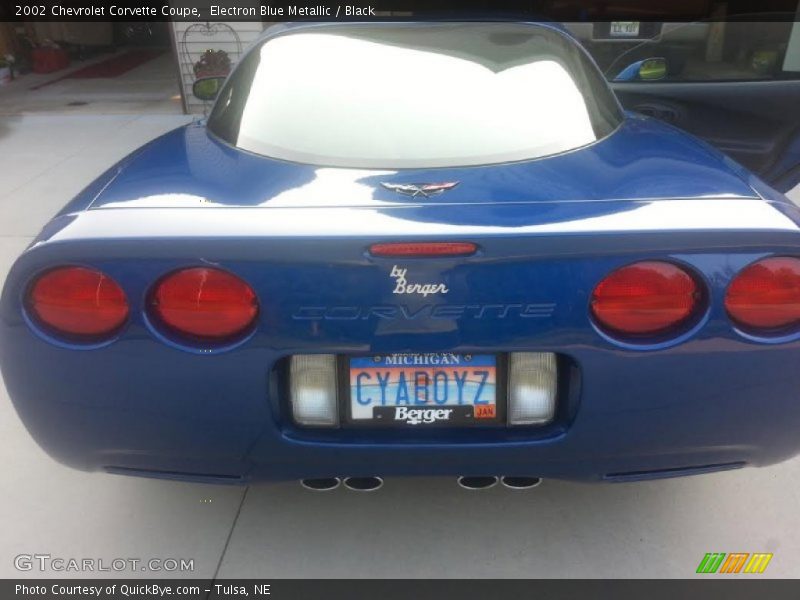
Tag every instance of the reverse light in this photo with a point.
(423, 249)
(646, 298)
(79, 302)
(765, 296)
(204, 303)
(532, 385)
(313, 390)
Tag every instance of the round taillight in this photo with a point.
(204, 303)
(765, 296)
(79, 302)
(646, 298)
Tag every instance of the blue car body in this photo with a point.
(548, 230)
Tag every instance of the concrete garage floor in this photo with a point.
(411, 528)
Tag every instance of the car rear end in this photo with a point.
(365, 279)
(574, 387)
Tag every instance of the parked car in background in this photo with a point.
(607, 41)
(732, 83)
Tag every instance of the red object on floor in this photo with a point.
(111, 67)
(47, 60)
(117, 65)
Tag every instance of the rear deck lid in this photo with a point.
(641, 160)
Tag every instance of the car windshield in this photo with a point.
(414, 96)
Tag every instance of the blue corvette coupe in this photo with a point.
(403, 249)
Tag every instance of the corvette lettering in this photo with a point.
(403, 287)
(389, 312)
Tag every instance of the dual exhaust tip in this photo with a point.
(512, 482)
(371, 484)
(356, 484)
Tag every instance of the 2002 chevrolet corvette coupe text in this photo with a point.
(413, 249)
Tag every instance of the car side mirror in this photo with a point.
(207, 88)
(649, 69)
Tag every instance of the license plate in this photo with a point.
(624, 28)
(424, 390)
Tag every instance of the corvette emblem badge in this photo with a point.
(426, 190)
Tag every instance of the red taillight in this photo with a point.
(645, 298)
(766, 295)
(419, 249)
(78, 301)
(205, 303)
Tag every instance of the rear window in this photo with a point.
(414, 96)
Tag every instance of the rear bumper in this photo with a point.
(702, 406)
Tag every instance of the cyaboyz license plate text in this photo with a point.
(421, 388)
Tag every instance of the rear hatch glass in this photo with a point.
(415, 96)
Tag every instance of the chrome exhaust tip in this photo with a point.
(521, 483)
(363, 484)
(321, 484)
(477, 483)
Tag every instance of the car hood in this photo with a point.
(643, 159)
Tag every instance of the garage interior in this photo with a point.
(114, 68)
(88, 68)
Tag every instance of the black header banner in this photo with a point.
(354, 10)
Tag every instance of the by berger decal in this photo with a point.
(426, 190)
(402, 286)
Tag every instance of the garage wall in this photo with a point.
(192, 39)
